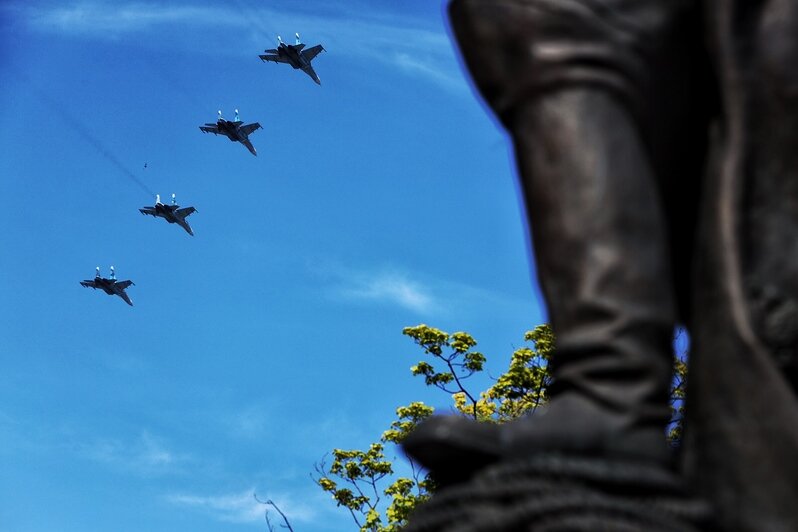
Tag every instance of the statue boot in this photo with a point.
(595, 180)
(602, 258)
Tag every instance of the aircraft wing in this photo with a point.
(249, 128)
(124, 284)
(126, 298)
(250, 147)
(148, 210)
(210, 128)
(274, 58)
(312, 52)
(185, 211)
(88, 284)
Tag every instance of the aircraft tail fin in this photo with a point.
(297, 39)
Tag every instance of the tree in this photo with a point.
(360, 473)
(521, 389)
(355, 478)
(451, 361)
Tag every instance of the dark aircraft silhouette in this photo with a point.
(111, 286)
(294, 55)
(171, 213)
(234, 130)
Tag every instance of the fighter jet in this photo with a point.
(171, 213)
(294, 55)
(234, 130)
(111, 286)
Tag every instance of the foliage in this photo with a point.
(678, 391)
(451, 361)
(362, 471)
(353, 478)
(455, 352)
(522, 388)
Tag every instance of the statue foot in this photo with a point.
(454, 448)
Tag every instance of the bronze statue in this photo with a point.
(657, 148)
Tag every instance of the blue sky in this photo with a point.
(383, 198)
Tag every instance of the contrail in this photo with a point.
(255, 18)
(81, 130)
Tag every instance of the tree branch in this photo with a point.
(271, 503)
(460, 385)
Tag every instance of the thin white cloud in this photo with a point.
(234, 508)
(417, 51)
(253, 422)
(419, 292)
(107, 20)
(153, 454)
(144, 454)
(242, 507)
(391, 288)
(406, 44)
(428, 69)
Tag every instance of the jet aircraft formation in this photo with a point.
(293, 54)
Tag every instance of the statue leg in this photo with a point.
(741, 436)
(602, 255)
(593, 95)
